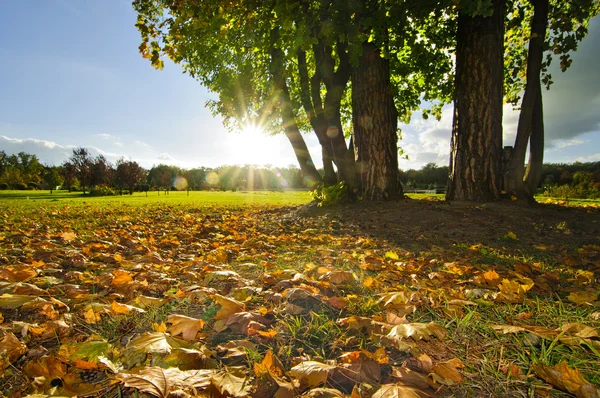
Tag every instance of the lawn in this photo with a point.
(238, 294)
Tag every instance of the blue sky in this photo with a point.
(71, 75)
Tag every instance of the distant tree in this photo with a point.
(68, 172)
(161, 177)
(82, 162)
(52, 178)
(128, 174)
(101, 171)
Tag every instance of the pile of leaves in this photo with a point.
(211, 301)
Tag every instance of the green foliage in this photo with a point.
(102, 190)
(330, 196)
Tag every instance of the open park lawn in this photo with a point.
(259, 294)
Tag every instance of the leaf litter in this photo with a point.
(174, 301)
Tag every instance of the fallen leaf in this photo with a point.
(166, 383)
(583, 298)
(418, 331)
(399, 391)
(232, 384)
(567, 379)
(184, 325)
(312, 373)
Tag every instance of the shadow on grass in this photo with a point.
(40, 195)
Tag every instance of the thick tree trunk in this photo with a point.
(375, 121)
(516, 167)
(533, 173)
(289, 120)
(476, 147)
(329, 175)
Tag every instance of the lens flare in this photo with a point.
(180, 183)
(332, 131)
(212, 178)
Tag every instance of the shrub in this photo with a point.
(102, 190)
(21, 186)
(3, 186)
(329, 196)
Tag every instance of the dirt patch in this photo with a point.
(416, 225)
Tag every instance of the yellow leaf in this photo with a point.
(92, 316)
(184, 325)
(583, 298)
(162, 328)
(121, 278)
(391, 255)
(447, 373)
(312, 373)
(68, 236)
(228, 306)
(399, 391)
(567, 379)
(124, 309)
(418, 331)
(491, 275)
(269, 334)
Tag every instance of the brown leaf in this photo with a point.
(121, 278)
(447, 373)
(312, 373)
(418, 331)
(270, 364)
(399, 391)
(11, 348)
(228, 306)
(232, 384)
(184, 325)
(567, 379)
(166, 383)
(583, 298)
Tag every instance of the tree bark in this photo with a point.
(335, 83)
(375, 121)
(476, 147)
(516, 167)
(289, 120)
(533, 173)
(311, 102)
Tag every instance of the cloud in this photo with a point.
(49, 152)
(561, 144)
(165, 156)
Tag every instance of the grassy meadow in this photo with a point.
(243, 296)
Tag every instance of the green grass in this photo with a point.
(36, 198)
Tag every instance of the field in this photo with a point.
(257, 293)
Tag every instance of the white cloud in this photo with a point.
(557, 145)
(164, 156)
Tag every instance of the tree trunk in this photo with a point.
(289, 120)
(533, 173)
(375, 121)
(516, 167)
(329, 176)
(311, 102)
(476, 147)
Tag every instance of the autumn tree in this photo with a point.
(82, 162)
(101, 171)
(128, 174)
(232, 49)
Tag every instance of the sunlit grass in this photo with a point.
(37, 198)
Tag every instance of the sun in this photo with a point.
(252, 146)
